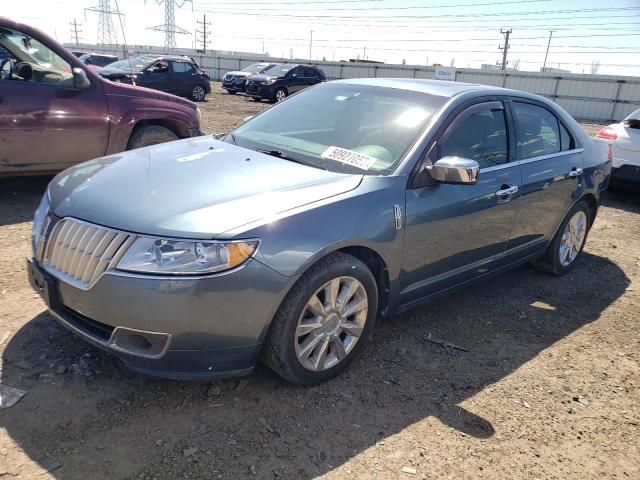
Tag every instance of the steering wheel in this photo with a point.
(6, 69)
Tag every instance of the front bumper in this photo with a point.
(213, 326)
(234, 85)
(263, 92)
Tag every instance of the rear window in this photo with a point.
(537, 131)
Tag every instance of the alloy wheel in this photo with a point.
(198, 93)
(280, 95)
(572, 238)
(331, 323)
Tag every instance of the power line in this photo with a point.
(448, 15)
(368, 8)
(75, 38)
(169, 27)
(203, 33)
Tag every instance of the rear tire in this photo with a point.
(283, 346)
(566, 247)
(150, 135)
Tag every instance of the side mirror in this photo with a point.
(80, 79)
(247, 118)
(455, 170)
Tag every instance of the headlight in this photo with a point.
(38, 222)
(268, 82)
(185, 257)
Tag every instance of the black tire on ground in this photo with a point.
(230, 92)
(281, 90)
(279, 350)
(550, 261)
(150, 135)
(256, 99)
(198, 93)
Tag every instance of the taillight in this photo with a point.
(607, 133)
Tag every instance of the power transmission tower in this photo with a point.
(75, 32)
(505, 48)
(170, 28)
(203, 33)
(106, 31)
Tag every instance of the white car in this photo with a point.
(624, 141)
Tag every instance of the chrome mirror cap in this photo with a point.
(455, 170)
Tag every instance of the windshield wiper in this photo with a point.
(281, 154)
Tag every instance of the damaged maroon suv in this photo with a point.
(56, 112)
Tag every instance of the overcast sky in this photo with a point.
(465, 32)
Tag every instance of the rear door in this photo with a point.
(454, 233)
(46, 123)
(182, 77)
(551, 166)
(311, 77)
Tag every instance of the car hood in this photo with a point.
(238, 73)
(262, 78)
(106, 71)
(192, 188)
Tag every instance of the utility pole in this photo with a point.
(106, 31)
(74, 33)
(203, 38)
(505, 48)
(169, 27)
(364, 53)
(310, 45)
(546, 54)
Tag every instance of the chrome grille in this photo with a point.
(78, 252)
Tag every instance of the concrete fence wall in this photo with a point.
(596, 98)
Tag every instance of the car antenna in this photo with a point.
(125, 48)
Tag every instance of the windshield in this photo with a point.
(136, 64)
(634, 115)
(278, 70)
(255, 68)
(342, 127)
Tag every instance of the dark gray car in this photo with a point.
(285, 242)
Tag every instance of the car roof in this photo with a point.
(433, 87)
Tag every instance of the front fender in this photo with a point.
(127, 111)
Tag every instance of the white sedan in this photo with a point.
(624, 141)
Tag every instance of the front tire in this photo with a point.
(150, 135)
(568, 243)
(324, 322)
(198, 93)
(279, 95)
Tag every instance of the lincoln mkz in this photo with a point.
(286, 239)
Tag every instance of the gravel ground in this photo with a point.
(549, 388)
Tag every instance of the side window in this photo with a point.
(179, 67)
(35, 62)
(297, 72)
(189, 67)
(566, 140)
(536, 131)
(477, 134)
(310, 73)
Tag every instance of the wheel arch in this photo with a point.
(177, 127)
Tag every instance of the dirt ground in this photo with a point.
(549, 387)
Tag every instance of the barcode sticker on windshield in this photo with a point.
(349, 157)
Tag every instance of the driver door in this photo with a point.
(46, 123)
(455, 233)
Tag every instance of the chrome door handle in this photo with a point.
(576, 172)
(507, 191)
